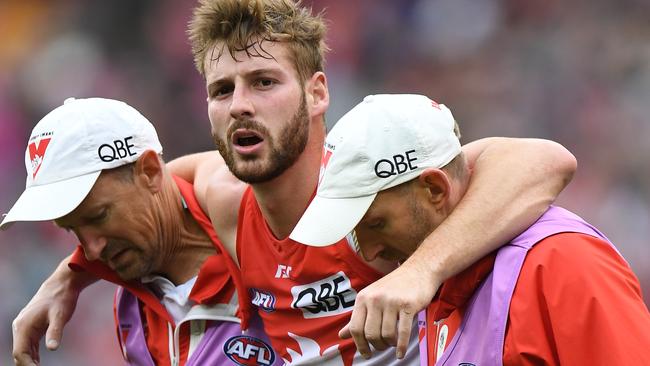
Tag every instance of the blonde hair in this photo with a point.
(244, 25)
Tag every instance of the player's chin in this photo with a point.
(394, 257)
(126, 276)
(255, 171)
(130, 273)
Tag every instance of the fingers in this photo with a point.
(46, 314)
(373, 327)
(384, 311)
(28, 329)
(54, 332)
(24, 359)
(344, 333)
(25, 352)
(356, 328)
(52, 344)
(404, 327)
(388, 328)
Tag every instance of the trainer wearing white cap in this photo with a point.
(69, 148)
(384, 141)
(94, 167)
(554, 295)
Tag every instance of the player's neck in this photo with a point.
(284, 199)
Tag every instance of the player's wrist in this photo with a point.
(73, 280)
(424, 269)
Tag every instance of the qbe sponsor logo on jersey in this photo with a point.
(263, 299)
(330, 296)
(248, 351)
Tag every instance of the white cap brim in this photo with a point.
(50, 201)
(328, 220)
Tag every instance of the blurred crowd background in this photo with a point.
(577, 72)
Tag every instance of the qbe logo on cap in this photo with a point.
(118, 149)
(398, 164)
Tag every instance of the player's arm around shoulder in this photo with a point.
(544, 165)
(512, 179)
(577, 299)
(223, 195)
(218, 192)
(197, 169)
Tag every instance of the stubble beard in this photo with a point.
(139, 266)
(291, 143)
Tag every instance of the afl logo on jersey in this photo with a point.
(248, 351)
(263, 299)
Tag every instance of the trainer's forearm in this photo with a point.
(513, 182)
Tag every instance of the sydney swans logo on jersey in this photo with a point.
(36, 149)
(263, 299)
(330, 296)
(248, 351)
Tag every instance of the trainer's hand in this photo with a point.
(384, 311)
(46, 314)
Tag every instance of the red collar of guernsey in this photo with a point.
(248, 192)
(456, 291)
(213, 281)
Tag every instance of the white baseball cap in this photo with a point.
(70, 147)
(384, 141)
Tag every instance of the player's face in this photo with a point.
(114, 225)
(257, 109)
(395, 225)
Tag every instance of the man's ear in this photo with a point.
(317, 94)
(437, 185)
(149, 171)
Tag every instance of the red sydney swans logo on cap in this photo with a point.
(36, 153)
(327, 154)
